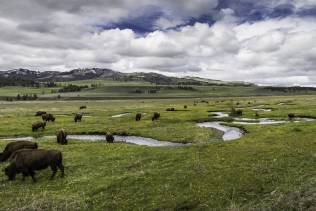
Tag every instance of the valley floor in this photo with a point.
(272, 167)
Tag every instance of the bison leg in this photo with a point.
(61, 167)
(54, 169)
(24, 174)
(32, 173)
(64, 142)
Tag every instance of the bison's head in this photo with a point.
(10, 171)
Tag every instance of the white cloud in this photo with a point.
(63, 36)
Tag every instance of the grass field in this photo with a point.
(109, 89)
(272, 167)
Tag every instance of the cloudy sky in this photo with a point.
(265, 42)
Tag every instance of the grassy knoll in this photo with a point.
(264, 169)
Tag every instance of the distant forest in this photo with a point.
(15, 81)
(289, 89)
(18, 81)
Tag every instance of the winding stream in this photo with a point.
(127, 139)
(120, 115)
(262, 109)
(260, 121)
(230, 133)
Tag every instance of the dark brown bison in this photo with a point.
(257, 114)
(48, 117)
(236, 112)
(27, 161)
(156, 116)
(239, 112)
(78, 117)
(170, 109)
(185, 106)
(40, 113)
(109, 138)
(38, 125)
(291, 116)
(138, 116)
(62, 137)
(14, 146)
(83, 107)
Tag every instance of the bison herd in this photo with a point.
(47, 117)
(26, 158)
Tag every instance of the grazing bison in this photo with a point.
(48, 117)
(38, 125)
(238, 112)
(14, 146)
(291, 116)
(257, 114)
(109, 138)
(138, 116)
(235, 112)
(170, 109)
(83, 107)
(40, 113)
(62, 137)
(78, 117)
(27, 161)
(185, 106)
(156, 116)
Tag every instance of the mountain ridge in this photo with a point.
(105, 73)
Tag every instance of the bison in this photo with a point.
(138, 116)
(156, 116)
(78, 117)
(170, 109)
(40, 113)
(14, 146)
(38, 125)
(236, 112)
(48, 117)
(185, 106)
(109, 138)
(83, 107)
(291, 116)
(27, 161)
(62, 137)
(257, 114)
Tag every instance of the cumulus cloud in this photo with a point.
(61, 35)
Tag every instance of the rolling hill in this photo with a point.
(103, 73)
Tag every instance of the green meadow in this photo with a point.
(272, 167)
(102, 89)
